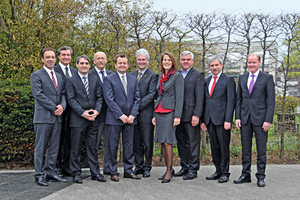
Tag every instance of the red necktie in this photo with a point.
(213, 86)
(53, 80)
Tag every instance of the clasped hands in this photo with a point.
(59, 110)
(127, 120)
(90, 114)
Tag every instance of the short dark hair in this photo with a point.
(85, 57)
(121, 55)
(174, 63)
(47, 49)
(63, 48)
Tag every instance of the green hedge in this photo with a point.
(16, 127)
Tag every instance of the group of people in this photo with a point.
(72, 105)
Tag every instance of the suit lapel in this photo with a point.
(244, 83)
(144, 76)
(207, 85)
(48, 78)
(118, 80)
(189, 75)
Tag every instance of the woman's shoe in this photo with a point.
(162, 177)
(165, 180)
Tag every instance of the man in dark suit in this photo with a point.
(100, 72)
(64, 54)
(48, 89)
(121, 93)
(218, 113)
(255, 105)
(143, 130)
(84, 95)
(188, 131)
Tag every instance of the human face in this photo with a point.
(49, 59)
(167, 63)
(64, 57)
(142, 62)
(100, 60)
(186, 62)
(122, 65)
(253, 63)
(83, 66)
(215, 67)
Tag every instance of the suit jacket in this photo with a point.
(260, 105)
(93, 72)
(57, 69)
(118, 103)
(79, 101)
(46, 97)
(194, 86)
(220, 106)
(173, 95)
(147, 88)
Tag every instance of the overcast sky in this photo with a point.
(228, 6)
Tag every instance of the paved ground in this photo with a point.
(282, 182)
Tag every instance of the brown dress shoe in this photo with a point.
(132, 176)
(115, 178)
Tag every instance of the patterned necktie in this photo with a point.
(86, 85)
(213, 86)
(251, 84)
(102, 75)
(67, 72)
(140, 76)
(124, 84)
(53, 80)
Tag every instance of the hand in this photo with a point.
(95, 114)
(153, 121)
(203, 127)
(195, 120)
(227, 125)
(176, 121)
(59, 110)
(130, 119)
(124, 119)
(266, 126)
(87, 115)
(238, 124)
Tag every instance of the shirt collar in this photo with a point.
(142, 71)
(81, 76)
(255, 74)
(63, 66)
(98, 70)
(48, 70)
(187, 71)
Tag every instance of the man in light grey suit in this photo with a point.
(50, 102)
(100, 72)
(255, 105)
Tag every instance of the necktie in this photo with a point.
(251, 84)
(102, 75)
(124, 83)
(53, 80)
(86, 85)
(67, 72)
(140, 76)
(213, 86)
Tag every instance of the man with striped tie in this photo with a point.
(84, 94)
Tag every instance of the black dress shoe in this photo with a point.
(132, 176)
(146, 174)
(261, 183)
(59, 173)
(223, 179)
(56, 178)
(181, 173)
(190, 176)
(138, 171)
(41, 181)
(165, 180)
(243, 179)
(163, 176)
(77, 179)
(213, 177)
(99, 178)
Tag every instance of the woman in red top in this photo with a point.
(168, 109)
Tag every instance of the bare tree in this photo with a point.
(246, 31)
(203, 25)
(267, 33)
